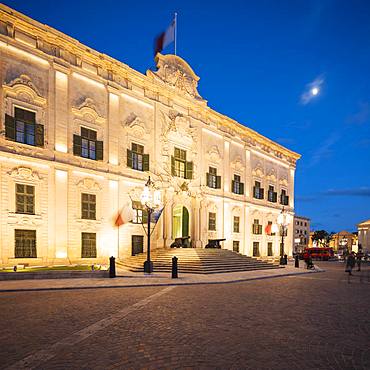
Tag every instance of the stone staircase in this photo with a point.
(196, 261)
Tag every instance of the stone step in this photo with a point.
(200, 261)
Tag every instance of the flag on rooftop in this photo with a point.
(165, 38)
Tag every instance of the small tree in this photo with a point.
(322, 238)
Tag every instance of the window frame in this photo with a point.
(88, 248)
(90, 212)
(30, 239)
(212, 221)
(29, 199)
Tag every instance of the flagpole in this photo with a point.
(175, 33)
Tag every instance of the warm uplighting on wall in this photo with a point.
(26, 163)
(61, 254)
(24, 54)
(59, 147)
(61, 175)
(87, 79)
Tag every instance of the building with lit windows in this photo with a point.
(301, 232)
(80, 134)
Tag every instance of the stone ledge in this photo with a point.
(53, 275)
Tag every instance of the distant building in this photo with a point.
(344, 242)
(301, 233)
(364, 235)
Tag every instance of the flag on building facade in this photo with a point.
(119, 220)
(156, 215)
(124, 216)
(268, 229)
(165, 38)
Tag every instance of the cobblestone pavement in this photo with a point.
(315, 321)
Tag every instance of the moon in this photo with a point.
(314, 91)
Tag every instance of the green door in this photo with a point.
(185, 222)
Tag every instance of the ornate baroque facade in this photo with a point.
(80, 133)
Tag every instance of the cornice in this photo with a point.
(151, 89)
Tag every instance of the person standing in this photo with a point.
(359, 256)
(351, 262)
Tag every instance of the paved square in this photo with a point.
(316, 321)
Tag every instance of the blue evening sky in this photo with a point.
(256, 60)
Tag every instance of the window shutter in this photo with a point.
(208, 179)
(99, 150)
(39, 134)
(241, 188)
(145, 162)
(77, 142)
(286, 200)
(129, 158)
(233, 186)
(9, 127)
(189, 170)
(145, 216)
(173, 172)
(218, 182)
(262, 193)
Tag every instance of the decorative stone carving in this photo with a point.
(214, 154)
(258, 171)
(283, 181)
(176, 73)
(237, 164)
(88, 112)
(236, 211)
(178, 128)
(89, 184)
(135, 125)
(24, 174)
(271, 176)
(23, 89)
(24, 220)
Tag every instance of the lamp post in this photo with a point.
(283, 221)
(151, 199)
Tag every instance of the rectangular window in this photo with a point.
(140, 214)
(237, 186)
(212, 221)
(256, 227)
(87, 145)
(236, 224)
(236, 246)
(25, 199)
(88, 245)
(88, 139)
(256, 249)
(137, 244)
(269, 249)
(212, 178)
(257, 190)
(180, 163)
(272, 195)
(88, 206)
(284, 199)
(179, 166)
(25, 243)
(137, 156)
(25, 126)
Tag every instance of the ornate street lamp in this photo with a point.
(283, 221)
(151, 199)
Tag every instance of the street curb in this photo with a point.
(159, 284)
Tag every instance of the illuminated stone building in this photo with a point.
(81, 132)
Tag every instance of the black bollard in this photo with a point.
(296, 262)
(285, 259)
(174, 267)
(112, 267)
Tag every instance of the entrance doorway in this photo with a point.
(180, 222)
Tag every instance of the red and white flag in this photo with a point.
(268, 229)
(119, 220)
(165, 38)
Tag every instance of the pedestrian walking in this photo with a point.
(359, 256)
(351, 263)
